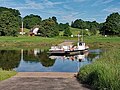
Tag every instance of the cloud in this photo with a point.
(67, 7)
(79, 0)
(111, 9)
(71, 16)
(107, 1)
(49, 3)
(101, 2)
(29, 4)
(91, 19)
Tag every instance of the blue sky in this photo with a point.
(65, 10)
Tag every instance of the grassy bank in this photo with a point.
(27, 42)
(41, 42)
(103, 74)
(6, 74)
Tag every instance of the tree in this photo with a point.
(79, 23)
(94, 27)
(54, 19)
(62, 27)
(48, 28)
(14, 12)
(31, 20)
(9, 24)
(112, 25)
(67, 30)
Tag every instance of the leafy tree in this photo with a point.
(9, 24)
(112, 25)
(48, 28)
(15, 12)
(62, 27)
(94, 27)
(79, 23)
(54, 19)
(67, 30)
(31, 20)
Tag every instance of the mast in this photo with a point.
(22, 26)
(82, 35)
(78, 40)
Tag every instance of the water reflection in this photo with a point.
(9, 59)
(38, 60)
(38, 55)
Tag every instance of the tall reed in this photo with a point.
(103, 74)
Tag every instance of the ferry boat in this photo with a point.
(68, 47)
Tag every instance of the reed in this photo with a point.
(103, 74)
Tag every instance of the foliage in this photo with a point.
(9, 24)
(103, 73)
(79, 23)
(54, 19)
(14, 12)
(112, 25)
(61, 27)
(48, 28)
(93, 27)
(31, 20)
(66, 30)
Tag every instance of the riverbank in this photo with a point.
(23, 42)
(6, 74)
(103, 73)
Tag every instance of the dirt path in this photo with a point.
(42, 81)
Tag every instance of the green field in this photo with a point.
(27, 42)
(42, 42)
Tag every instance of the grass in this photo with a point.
(102, 42)
(75, 31)
(6, 74)
(27, 42)
(103, 74)
(22, 42)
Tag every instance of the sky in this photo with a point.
(65, 10)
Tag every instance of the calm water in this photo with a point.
(39, 61)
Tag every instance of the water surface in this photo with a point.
(38, 60)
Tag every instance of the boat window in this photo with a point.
(80, 44)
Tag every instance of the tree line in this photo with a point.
(10, 24)
(110, 27)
